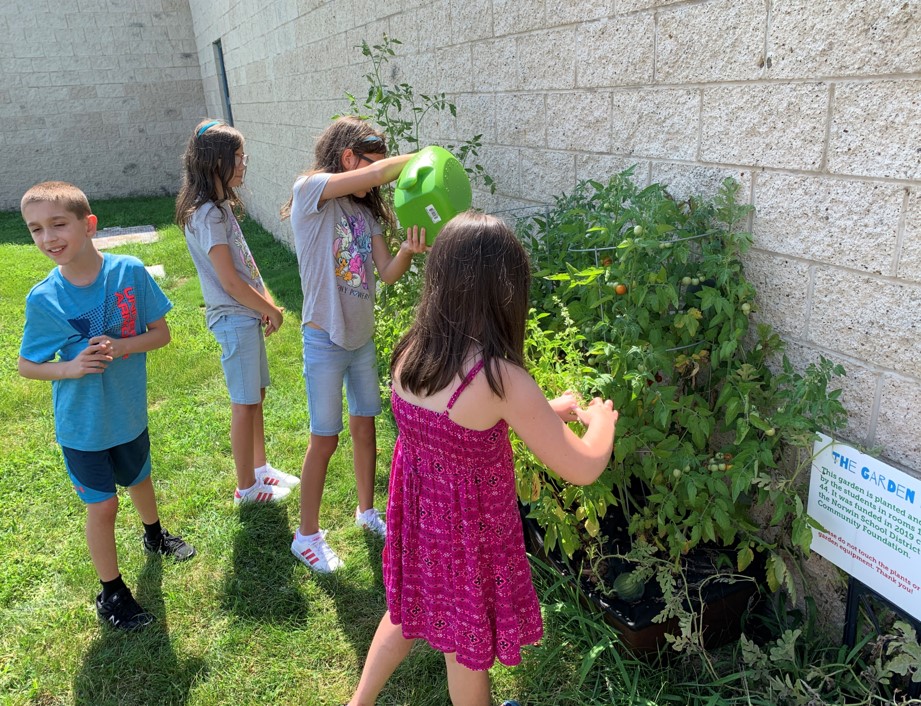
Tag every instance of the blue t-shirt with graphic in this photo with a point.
(97, 411)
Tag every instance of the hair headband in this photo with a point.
(207, 126)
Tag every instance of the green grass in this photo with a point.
(242, 623)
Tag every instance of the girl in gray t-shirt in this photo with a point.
(336, 213)
(237, 304)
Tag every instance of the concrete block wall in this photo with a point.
(815, 106)
(101, 93)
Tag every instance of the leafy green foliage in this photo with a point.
(401, 111)
(652, 293)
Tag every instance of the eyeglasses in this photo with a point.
(365, 158)
(242, 159)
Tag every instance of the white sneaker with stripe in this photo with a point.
(272, 476)
(260, 493)
(315, 553)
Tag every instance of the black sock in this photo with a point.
(152, 532)
(113, 586)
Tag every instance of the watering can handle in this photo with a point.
(410, 180)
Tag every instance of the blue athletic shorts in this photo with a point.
(95, 473)
(326, 367)
(243, 357)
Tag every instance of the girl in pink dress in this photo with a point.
(455, 568)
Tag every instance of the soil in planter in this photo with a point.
(725, 601)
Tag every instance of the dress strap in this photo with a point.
(467, 380)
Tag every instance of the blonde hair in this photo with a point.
(60, 192)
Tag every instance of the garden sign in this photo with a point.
(871, 515)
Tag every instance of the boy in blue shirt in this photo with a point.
(89, 324)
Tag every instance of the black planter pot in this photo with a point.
(723, 603)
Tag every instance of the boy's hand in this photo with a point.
(92, 359)
(415, 240)
(566, 405)
(597, 410)
(273, 321)
(114, 347)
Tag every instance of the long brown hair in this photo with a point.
(209, 159)
(349, 132)
(474, 300)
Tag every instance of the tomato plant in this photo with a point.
(650, 294)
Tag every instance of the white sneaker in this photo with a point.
(260, 493)
(272, 476)
(371, 520)
(315, 553)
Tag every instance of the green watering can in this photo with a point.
(432, 188)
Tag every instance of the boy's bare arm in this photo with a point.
(156, 336)
(92, 359)
(234, 285)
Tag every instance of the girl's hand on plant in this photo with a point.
(415, 241)
(566, 405)
(598, 410)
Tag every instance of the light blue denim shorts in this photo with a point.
(246, 367)
(326, 367)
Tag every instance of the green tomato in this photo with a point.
(638, 230)
(685, 281)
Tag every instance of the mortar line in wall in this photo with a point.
(900, 234)
(829, 114)
(847, 359)
(700, 125)
(769, 17)
(810, 295)
(688, 85)
(874, 411)
(655, 43)
(850, 270)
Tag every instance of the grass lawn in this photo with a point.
(243, 622)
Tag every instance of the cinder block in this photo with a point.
(546, 174)
(868, 38)
(846, 223)
(495, 65)
(538, 51)
(476, 115)
(765, 125)
(471, 20)
(601, 167)
(686, 180)
(615, 52)
(721, 40)
(524, 120)
(656, 123)
(782, 285)
(514, 16)
(453, 69)
(899, 421)
(567, 12)
(870, 318)
(874, 130)
(579, 120)
(909, 265)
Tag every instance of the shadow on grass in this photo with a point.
(138, 668)
(261, 584)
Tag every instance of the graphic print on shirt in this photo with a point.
(246, 257)
(351, 248)
(116, 317)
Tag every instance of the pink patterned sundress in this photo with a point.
(455, 569)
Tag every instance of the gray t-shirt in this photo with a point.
(333, 246)
(212, 225)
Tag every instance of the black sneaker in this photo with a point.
(168, 545)
(121, 611)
